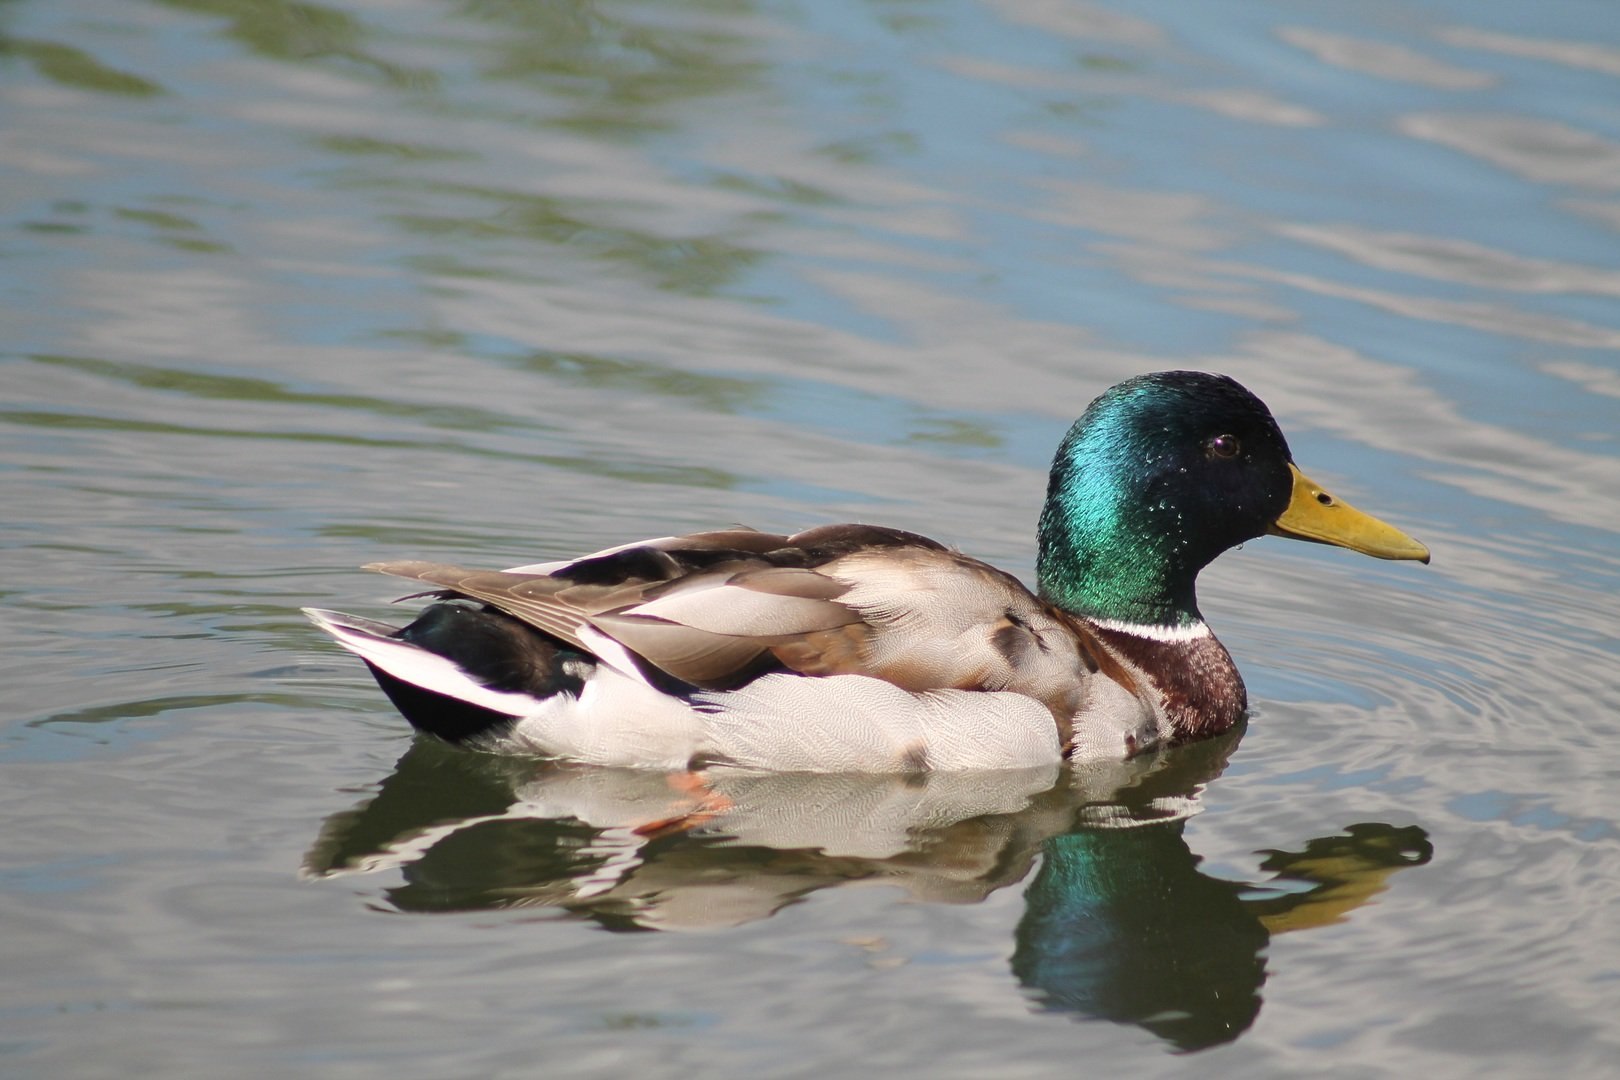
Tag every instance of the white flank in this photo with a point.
(855, 723)
(616, 720)
(1168, 634)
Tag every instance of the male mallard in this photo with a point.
(857, 648)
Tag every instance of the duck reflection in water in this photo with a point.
(1119, 923)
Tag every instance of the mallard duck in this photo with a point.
(859, 648)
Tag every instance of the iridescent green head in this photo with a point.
(1162, 474)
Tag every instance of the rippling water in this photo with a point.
(289, 287)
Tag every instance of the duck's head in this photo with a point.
(1163, 473)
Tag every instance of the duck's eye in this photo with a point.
(1224, 446)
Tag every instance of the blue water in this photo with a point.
(293, 287)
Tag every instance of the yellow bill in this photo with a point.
(1314, 515)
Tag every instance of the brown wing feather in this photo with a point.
(774, 595)
(706, 660)
(530, 597)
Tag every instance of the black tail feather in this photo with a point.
(498, 651)
(448, 718)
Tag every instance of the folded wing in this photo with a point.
(717, 610)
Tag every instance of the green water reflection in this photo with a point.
(623, 73)
(302, 32)
(73, 67)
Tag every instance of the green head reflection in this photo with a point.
(1120, 925)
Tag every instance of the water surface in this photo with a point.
(293, 287)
